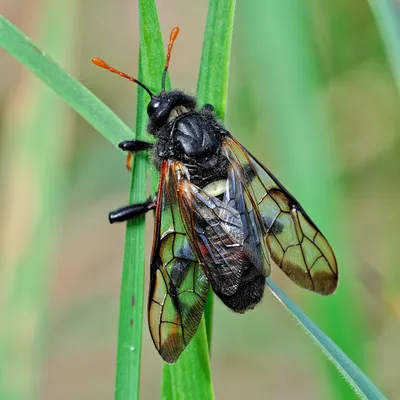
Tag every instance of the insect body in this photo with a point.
(221, 217)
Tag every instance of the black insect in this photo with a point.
(220, 216)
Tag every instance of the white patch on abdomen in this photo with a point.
(216, 188)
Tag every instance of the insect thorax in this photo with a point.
(195, 139)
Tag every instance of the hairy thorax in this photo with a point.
(193, 138)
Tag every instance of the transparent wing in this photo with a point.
(226, 234)
(294, 242)
(219, 235)
(237, 196)
(178, 285)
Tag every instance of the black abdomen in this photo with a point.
(249, 293)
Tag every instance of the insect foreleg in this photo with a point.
(134, 146)
(134, 210)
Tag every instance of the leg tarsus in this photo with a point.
(134, 210)
(208, 107)
(128, 162)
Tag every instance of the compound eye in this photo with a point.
(152, 107)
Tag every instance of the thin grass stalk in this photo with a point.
(151, 64)
(387, 17)
(81, 99)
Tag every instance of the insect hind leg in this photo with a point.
(132, 211)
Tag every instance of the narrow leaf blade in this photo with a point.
(81, 99)
(386, 14)
(359, 382)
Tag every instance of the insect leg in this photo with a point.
(133, 210)
(208, 107)
(133, 146)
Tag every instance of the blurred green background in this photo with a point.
(61, 260)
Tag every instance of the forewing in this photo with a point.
(294, 242)
(225, 233)
(216, 231)
(178, 285)
(238, 196)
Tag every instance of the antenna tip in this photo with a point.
(174, 32)
(100, 63)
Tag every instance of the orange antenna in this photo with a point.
(101, 63)
(172, 38)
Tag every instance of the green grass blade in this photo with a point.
(359, 382)
(213, 81)
(208, 317)
(132, 293)
(151, 63)
(82, 100)
(190, 377)
(151, 67)
(387, 18)
(37, 129)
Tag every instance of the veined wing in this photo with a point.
(294, 242)
(178, 285)
(228, 238)
(215, 230)
(237, 196)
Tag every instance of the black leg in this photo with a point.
(135, 145)
(208, 107)
(134, 210)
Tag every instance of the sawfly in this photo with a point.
(220, 218)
